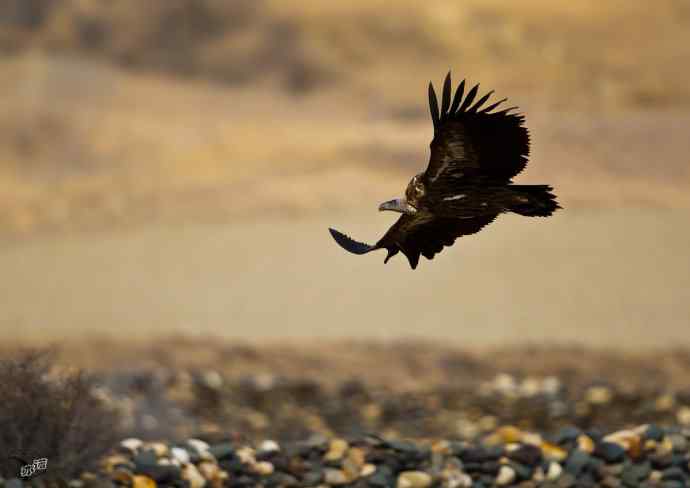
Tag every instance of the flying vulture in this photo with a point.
(475, 153)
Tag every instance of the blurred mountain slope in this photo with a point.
(117, 113)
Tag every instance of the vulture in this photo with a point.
(475, 152)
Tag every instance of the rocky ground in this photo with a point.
(424, 416)
(644, 456)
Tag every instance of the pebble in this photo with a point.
(554, 471)
(334, 476)
(264, 468)
(552, 451)
(609, 452)
(209, 470)
(141, 481)
(222, 451)
(629, 440)
(159, 448)
(112, 462)
(132, 444)
(181, 454)
(683, 416)
(268, 446)
(198, 445)
(336, 450)
(506, 475)
(679, 443)
(652, 432)
(509, 456)
(414, 479)
(598, 395)
(585, 443)
(191, 474)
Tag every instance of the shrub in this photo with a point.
(44, 414)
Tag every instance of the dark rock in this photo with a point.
(312, 478)
(383, 477)
(402, 446)
(595, 434)
(673, 473)
(145, 458)
(609, 452)
(577, 462)
(566, 435)
(490, 467)
(522, 471)
(654, 433)
(679, 459)
(232, 466)
(472, 467)
(661, 461)
(161, 474)
(526, 454)
(567, 480)
(672, 484)
(244, 481)
(634, 473)
(222, 451)
(479, 454)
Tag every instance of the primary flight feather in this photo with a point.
(475, 153)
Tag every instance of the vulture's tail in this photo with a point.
(533, 200)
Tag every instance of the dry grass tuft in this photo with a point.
(44, 414)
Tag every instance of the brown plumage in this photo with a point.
(475, 153)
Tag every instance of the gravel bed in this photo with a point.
(474, 425)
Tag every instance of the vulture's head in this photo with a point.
(411, 202)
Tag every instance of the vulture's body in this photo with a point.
(475, 153)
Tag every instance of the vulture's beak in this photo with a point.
(398, 205)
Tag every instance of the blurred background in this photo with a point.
(170, 167)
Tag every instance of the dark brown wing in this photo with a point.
(349, 244)
(415, 235)
(471, 140)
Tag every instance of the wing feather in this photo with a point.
(350, 244)
(433, 105)
(445, 101)
(470, 98)
(458, 97)
(492, 106)
(480, 102)
(493, 146)
(426, 236)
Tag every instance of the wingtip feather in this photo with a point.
(445, 100)
(433, 105)
(350, 244)
(470, 97)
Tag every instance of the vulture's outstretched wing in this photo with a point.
(472, 141)
(414, 236)
(350, 244)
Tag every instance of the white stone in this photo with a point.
(199, 445)
(269, 446)
(180, 454)
(506, 476)
(414, 479)
(192, 474)
(554, 472)
(264, 468)
(132, 444)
